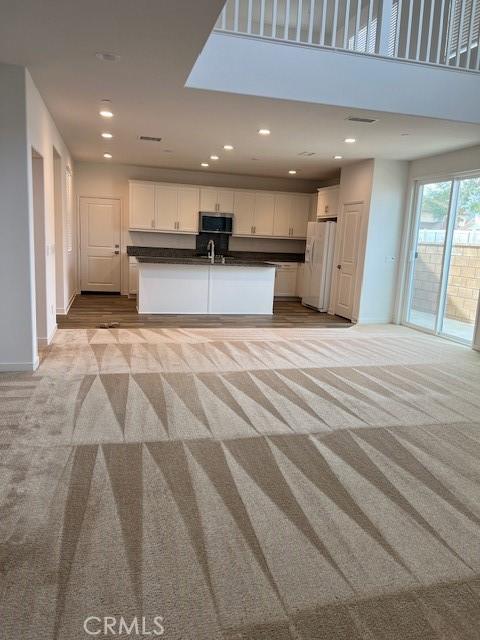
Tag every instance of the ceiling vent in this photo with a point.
(363, 120)
(307, 153)
(149, 139)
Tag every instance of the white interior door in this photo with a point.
(100, 244)
(347, 263)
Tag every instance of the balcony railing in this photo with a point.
(437, 32)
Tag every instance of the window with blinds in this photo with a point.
(464, 26)
(69, 210)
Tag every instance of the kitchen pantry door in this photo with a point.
(350, 231)
(100, 244)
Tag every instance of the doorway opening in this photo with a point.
(444, 278)
(38, 199)
(59, 232)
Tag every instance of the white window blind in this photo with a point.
(459, 26)
(69, 210)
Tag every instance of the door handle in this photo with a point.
(339, 266)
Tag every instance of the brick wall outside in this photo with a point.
(463, 280)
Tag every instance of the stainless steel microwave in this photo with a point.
(216, 222)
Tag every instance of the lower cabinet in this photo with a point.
(132, 276)
(300, 280)
(286, 279)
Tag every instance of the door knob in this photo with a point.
(339, 266)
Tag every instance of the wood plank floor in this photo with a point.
(94, 310)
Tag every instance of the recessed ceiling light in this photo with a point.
(228, 147)
(107, 56)
(106, 109)
(350, 140)
(292, 172)
(107, 155)
(264, 132)
(337, 157)
(214, 158)
(204, 164)
(107, 135)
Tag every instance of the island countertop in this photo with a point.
(203, 261)
(243, 257)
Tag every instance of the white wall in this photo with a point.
(383, 242)
(381, 186)
(17, 320)
(105, 180)
(25, 126)
(460, 161)
(252, 66)
(43, 136)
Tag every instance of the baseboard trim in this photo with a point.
(44, 342)
(7, 367)
(64, 312)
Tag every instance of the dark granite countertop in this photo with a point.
(196, 260)
(243, 257)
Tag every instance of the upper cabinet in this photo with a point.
(243, 213)
(253, 213)
(215, 199)
(142, 205)
(174, 208)
(327, 202)
(291, 215)
(170, 208)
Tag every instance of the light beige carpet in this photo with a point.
(243, 484)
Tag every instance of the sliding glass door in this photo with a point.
(444, 279)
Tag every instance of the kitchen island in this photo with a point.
(193, 285)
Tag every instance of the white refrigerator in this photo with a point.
(318, 264)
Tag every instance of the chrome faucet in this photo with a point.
(211, 251)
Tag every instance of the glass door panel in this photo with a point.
(463, 267)
(429, 248)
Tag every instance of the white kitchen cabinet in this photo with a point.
(132, 276)
(243, 213)
(291, 215)
(214, 199)
(253, 213)
(166, 207)
(142, 205)
(283, 209)
(300, 290)
(264, 214)
(327, 202)
(174, 208)
(225, 200)
(188, 208)
(299, 216)
(286, 279)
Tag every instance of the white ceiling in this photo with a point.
(159, 41)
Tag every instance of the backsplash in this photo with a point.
(220, 240)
